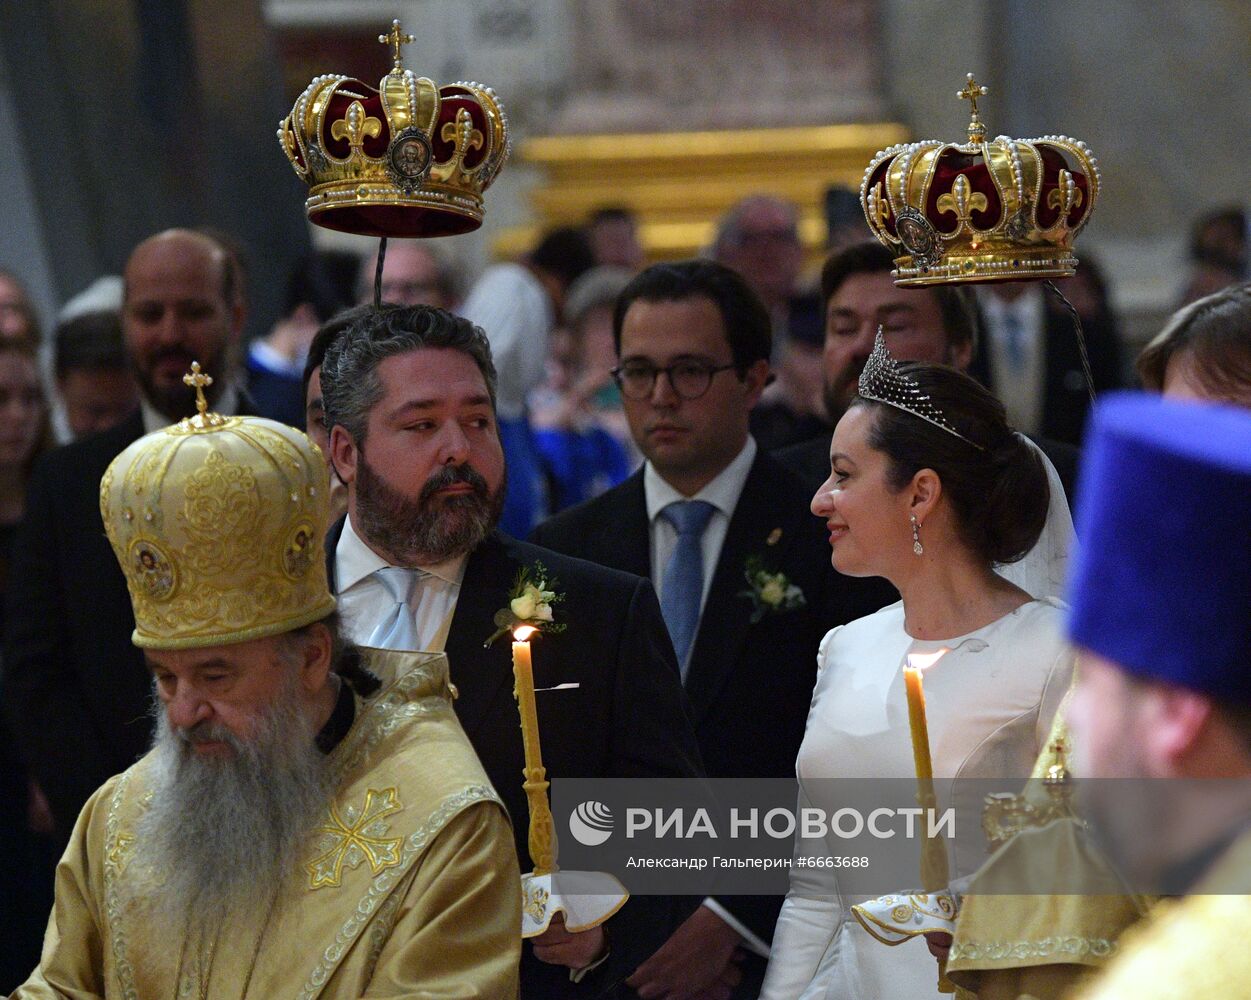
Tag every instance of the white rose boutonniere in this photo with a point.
(530, 602)
(770, 593)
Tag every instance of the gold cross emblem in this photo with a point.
(199, 381)
(395, 38)
(357, 836)
(971, 92)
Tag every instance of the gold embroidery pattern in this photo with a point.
(115, 845)
(418, 692)
(186, 513)
(382, 885)
(999, 951)
(534, 901)
(362, 837)
(380, 932)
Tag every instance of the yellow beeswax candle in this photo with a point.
(523, 681)
(541, 841)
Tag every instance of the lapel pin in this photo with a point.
(775, 536)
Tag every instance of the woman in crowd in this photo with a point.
(579, 425)
(932, 490)
(18, 322)
(25, 822)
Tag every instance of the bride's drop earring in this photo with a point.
(917, 547)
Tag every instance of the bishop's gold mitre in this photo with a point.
(218, 523)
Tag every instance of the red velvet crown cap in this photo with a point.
(405, 159)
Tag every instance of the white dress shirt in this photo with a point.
(364, 600)
(723, 493)
(1020, 387)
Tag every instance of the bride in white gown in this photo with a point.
(930, 489)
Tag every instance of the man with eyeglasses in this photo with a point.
(723, 531)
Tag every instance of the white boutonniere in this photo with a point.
(770, 593)
(530, 602)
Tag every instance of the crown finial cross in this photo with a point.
(971, 92)
(395, 38)
(199, 381)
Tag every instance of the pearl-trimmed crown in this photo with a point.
(1003, 210)
(410, 158)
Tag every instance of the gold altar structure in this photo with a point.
(679, 183)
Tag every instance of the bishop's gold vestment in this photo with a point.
(409, 888)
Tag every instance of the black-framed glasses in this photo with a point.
(689, 379)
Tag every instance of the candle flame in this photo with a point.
(923, 661)
(522, 633)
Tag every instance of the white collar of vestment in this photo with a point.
(722, 491)
(355, 560)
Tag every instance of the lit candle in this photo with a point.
(917, 662)
(535, 784)
(935, 873)
(934, 868)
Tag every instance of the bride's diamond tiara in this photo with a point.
(881, 382)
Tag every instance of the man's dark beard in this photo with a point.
(178, 401)
(429, 529)
(838, 395)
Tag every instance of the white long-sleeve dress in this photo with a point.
(989, 711)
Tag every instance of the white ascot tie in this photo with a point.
(398, 630)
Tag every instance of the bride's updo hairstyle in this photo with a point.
(1000, 494)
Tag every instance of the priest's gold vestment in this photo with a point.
(1191, 948)
(408, 889)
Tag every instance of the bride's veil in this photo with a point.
(1044, 569)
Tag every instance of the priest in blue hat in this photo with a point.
(1161, 611)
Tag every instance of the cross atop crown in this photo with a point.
(971, 92)
(395, 38)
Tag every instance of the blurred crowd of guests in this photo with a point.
(550, 318)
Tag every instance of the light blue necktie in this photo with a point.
(682, 586)
(1016, 342)
(398, 630)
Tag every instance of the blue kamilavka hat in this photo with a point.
(1161, 583)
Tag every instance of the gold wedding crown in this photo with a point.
(218, 524)
(409, 158)
(1003, 210)
(882, 382)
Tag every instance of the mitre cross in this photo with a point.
(199, 381)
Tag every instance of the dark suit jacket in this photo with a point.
(626, 720)
(749, 685)
(810, 460)
(76, 692)
(1066, 400)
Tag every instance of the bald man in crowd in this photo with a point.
(75, 690)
